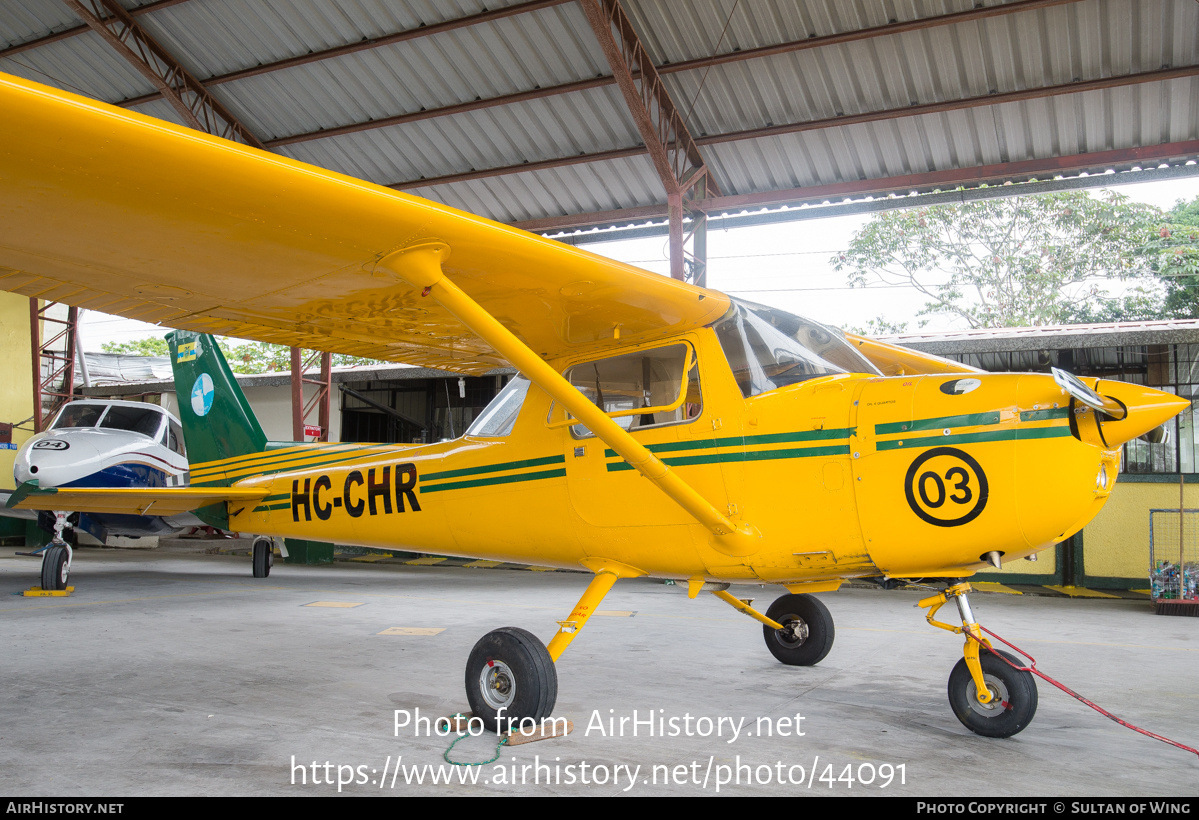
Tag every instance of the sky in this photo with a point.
(784, 266)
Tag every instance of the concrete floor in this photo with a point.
(169, 673)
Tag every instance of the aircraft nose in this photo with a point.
(1146, 408)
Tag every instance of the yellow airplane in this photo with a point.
(657, 429)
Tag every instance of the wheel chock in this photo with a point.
(548, 729)
(38, 592)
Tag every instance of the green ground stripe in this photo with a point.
(745, 441)
(495, 468)
(975, 438)
(744, 455)
(503, 479)
(969, 420)
(1044, 415)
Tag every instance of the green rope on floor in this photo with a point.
(446, 755)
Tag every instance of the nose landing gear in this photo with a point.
(987, 694)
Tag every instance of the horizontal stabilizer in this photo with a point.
(164, 501)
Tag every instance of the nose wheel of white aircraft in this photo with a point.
(510, 676)
(56, 567)
(807, 634)
(1013, 700)
(264, 554)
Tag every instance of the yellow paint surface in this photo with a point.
(483, 564)
(335, 604)
(426, 561)
(16, 399)
(616, 613)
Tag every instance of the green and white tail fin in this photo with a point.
(218, 423)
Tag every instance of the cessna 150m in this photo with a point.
(779, 451)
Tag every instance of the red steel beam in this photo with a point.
(187, 95)
(53, 370)
(301, 411)
(996, 173)
(663, 131)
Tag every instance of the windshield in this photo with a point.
(498, 418)
(769, 348)
(78, 415)
(135, 419)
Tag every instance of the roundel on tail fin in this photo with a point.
(202, 392)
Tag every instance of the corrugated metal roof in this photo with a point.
(942, 63)
(1051, 337)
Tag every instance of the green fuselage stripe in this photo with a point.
(743, 455)
(970, 420)
(974, 438)
(1045, 415)
(291, 467)
(745, 441)
(503, 479)
(494, 468)
(288, 462)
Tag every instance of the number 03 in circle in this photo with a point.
(946, 487)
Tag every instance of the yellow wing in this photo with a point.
(110, 210)
(165, 501)
(893, 360)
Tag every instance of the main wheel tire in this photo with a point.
(263, 553)
(55, 568)
(510, 674)
(1014, 702)
(808, 633)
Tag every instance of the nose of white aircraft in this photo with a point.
(55, 461)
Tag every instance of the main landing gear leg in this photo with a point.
(56, 560)
(798, 629)
(510, 675)
(987, 694)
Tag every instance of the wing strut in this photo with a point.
(421, 265)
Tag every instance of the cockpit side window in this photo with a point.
(641, 389)
(499, 417)
(768, 349)
(134, 419)
(78, 415)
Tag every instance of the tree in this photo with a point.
(245, 358)
(1174, 255)
(1014, 261)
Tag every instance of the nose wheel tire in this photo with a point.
(1014, 692)
(510, 674)
(807, 634)
(264, 554)
(55, 568)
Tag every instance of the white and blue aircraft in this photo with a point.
(102, 443)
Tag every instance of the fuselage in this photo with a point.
(840, 475)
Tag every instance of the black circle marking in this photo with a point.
(959, 479)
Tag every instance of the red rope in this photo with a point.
(1032, 667)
